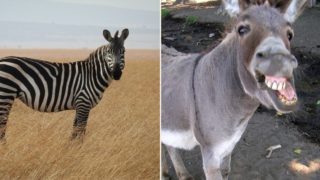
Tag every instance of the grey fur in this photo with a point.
(214, 95)
(218, 92)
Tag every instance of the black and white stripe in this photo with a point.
(52, 87)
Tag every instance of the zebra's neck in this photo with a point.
(97, 67)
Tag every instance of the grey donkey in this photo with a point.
(208, 99)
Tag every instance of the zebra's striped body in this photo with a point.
(52, 87)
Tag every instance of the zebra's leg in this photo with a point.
(5, 108)
(80, 122)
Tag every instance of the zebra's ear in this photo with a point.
(115, 36)
(107, 35)
(124, 34)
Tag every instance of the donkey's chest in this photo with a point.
(223, 148)
(179, 139)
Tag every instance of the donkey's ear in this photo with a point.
(245, 4)
(124, 34)
(281, 5)
(232, 7)
(291, 8)
(107, 35)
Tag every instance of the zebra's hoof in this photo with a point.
(3, 140)
(78, 134)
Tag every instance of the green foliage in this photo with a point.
(297, 150)
(165, 13)
(318, 103)
(191, 20)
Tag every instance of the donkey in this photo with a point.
(208, 99)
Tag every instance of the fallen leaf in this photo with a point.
(297, 151)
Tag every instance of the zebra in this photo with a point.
(52, 87)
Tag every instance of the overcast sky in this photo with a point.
(142, 17)
(149, 5)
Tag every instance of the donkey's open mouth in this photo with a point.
(283, 88)
(280, 89)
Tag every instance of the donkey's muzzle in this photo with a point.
(274, 72)
(272, 58)
(281, 65)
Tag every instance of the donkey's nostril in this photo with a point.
(260, 54)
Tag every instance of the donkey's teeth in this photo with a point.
(281, 86)
(284, 85)
(275, 83)
(268, 83)
(274, 86)
(287, 102)
(290, 102)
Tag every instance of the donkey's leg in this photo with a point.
(225, 166)
(80, 122)
(211, 164)
(5, 107)
(164, 164)
(178, 164)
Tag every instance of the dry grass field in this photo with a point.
(122, 138)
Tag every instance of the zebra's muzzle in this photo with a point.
(117, 72)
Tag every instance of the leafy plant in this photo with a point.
(297, 150)
(190, 20)
(165, 13)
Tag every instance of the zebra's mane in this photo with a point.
(100, 51)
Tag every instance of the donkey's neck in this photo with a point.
(219, 83)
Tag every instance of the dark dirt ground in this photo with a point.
(297, 131)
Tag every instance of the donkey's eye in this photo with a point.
(290, 35)
(243, 29)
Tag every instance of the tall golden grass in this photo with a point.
(122, 138)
